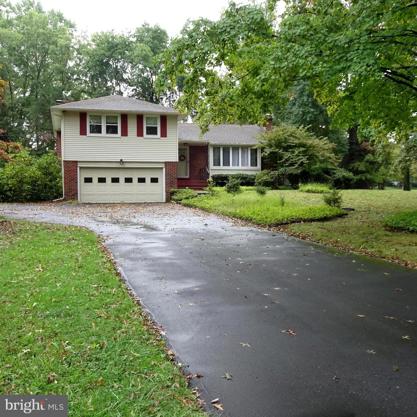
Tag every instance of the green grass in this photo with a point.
(406, 221)
(314, 187)
(263, 210)
(363, 230)
(68, 326)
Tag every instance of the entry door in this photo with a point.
(183, 162)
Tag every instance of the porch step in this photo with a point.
(195, 184)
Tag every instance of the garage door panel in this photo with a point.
(126, 185)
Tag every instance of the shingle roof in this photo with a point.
(220, 134)
(116, 103)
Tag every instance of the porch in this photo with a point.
(193, 166)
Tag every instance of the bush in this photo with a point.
(233, 186)
(269, 179)
(261, 190)
(210, 186)
(406, 221)
(182, 194)
(28, 178)
(342, 178)
(333, 199)
(316, 188)
(220, 180)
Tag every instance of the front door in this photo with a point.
(183, 162)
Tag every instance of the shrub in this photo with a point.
(342, 178)
(28, 178)
(233, 186)
(220, 180)
(182, 194)
(261, 190)
(210, 186)
(269, 179)
(406, 221)
(317, 188)
(333, 199)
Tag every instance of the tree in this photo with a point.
(407, 158)
(35, 53)
(297, 153)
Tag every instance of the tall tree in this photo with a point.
(35, 52)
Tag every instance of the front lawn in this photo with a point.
(362, 230)
(68, 326)
(274, 208)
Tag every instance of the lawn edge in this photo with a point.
(283, 228)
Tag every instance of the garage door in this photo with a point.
(121, 185)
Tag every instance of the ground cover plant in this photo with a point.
(406, 221)
(69, 327)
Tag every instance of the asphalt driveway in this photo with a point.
(276, 326)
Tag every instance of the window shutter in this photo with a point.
(124, 128)
(139, 125)
(163, 126)
(83, 124)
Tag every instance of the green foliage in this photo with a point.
(93, 341)
(28, 178)
(220, 180)
(181, 194)
(269, 179)
(406, 221)
(233, 186)
(211, 186)
(342, 178)
(270, 209)
(316, 188)
(333, 198)
(297, 153)
(261, 190)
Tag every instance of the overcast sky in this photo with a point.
(123, 15)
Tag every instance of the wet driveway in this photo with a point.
(276, 326)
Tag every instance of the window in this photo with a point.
(101, 180)
(151, 126)
(112, 125)
(235, 157)
(226, 157)
(88, 180)
(103, 124)
(95, 124)
(141, 180)
(128, 180)
(115, 180)
(253, 157)
(154, 180)
(244, 157)
(216, 156)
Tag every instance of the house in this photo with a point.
(119, 149)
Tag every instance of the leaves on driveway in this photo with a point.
(289, 332)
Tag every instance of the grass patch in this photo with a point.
(69, 327)
(364, 230)
(274, 208)
(315, 188)
(403, 221)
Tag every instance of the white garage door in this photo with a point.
(121, 185)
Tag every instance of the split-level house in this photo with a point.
(119, 149)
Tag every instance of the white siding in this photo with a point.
(128, 148)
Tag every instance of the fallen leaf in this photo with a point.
(336, 378)
(371, 351)
(410, 321)
(51, 378)
(395, 368)
(398, 289)
(227, 376)
(406, 337)
(243, 344)
(218, 407)
(361, 316)
(390, 317)
(216, 400)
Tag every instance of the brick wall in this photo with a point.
(70, 180)
(170, 178)
(58, 146)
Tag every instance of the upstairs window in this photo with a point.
(151, 126)
(105, 124)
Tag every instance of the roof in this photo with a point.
(220, 134)
(116, 103)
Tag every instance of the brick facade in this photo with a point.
(70, 180)
(198, 168)
(170, 178)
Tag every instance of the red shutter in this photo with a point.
(83, 124)
(163, 126)
(139, 125)
(124, 124)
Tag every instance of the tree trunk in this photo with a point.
(354, 152)
(406, 179)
